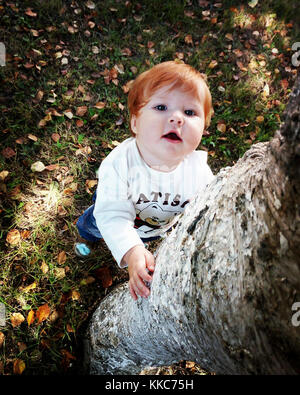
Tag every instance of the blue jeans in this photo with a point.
(88, 229)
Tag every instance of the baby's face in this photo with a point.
(169, 127)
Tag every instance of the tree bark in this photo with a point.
(225, 279)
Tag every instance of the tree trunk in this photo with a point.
(226, 278)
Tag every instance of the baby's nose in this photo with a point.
(176, 119)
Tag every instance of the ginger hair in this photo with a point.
(178, 76)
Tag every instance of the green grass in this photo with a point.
(47, 204)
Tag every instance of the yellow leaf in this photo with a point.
(260, 119)
(44, 267)
(75, 295)
(13, 237)
(19, 366)
(29, 287)
(30, 317)
(43, 312)
(60, 273)
(212, 64)
(16, 319)
(91, 183)
(2, 338)
(3, 175)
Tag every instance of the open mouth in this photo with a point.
(172, 136)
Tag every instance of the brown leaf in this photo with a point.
(55, 137)
(13, 237)
(221, 126)
(30, 317)
(2, 338)
(19, 366)
(100, 105)
(103, 274)
(79, 123)
(25, 234)
(61, 258)
(29, 12)
(80, 111)
(8, 152)
(43, 312)
(16, 319)
(52, 167)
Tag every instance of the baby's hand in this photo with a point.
(139, 259)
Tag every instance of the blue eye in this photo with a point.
(161, 107)
(190, 112)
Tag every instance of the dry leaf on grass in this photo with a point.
(61, 258)
(30, 317)
(43, 312)
(13, 237)
(19, 366)
(16, 319)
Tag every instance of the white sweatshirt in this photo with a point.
(134, 201)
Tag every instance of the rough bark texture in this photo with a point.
(226, 278)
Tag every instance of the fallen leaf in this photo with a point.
(25, 234)
(55, 137)
(3, 175)
(16, 319)
(8, 153)
(68, 114)
(91, 183)
(13, 237)
(30, 317)
(29, 12)
(59, 273)
(43, 312)
(103, 274)
(61, 258)
(79, 123)
(260, 118)
(2, 338)
(38, 167)
(32, 137)
(80, 111)
(29, 287)
(19, 366)
(52, 167)
(284, 83)
(188, 39)
(212, 64)
(75, 295)
(44, 267)
(90, 4)
(221, 126)
(99, 105)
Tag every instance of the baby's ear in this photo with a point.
(133, 123)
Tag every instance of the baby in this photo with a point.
(146, 182)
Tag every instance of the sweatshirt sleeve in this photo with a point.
(114, 210)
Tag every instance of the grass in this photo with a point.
(62, 55)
